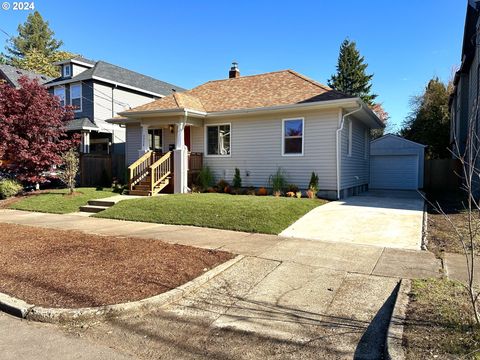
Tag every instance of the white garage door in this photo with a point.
(394, 172)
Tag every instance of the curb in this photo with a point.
(21, 309)
(394, 349)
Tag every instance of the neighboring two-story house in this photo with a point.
(463, 101)
(11, 75)
(98, 91)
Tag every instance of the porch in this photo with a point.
(154, 172)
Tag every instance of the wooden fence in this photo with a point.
(99, 170)
(442, 174)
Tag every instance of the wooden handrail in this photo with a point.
(159, 170)
(139, 169)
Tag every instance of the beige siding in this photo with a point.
(357, 164)
(256, 145)
(105, 108)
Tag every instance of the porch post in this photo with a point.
(145, 146)
(180, 161)
(85, 142)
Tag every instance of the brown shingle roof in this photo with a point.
(264, 90)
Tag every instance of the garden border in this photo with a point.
(21, 309)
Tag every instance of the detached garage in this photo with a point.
(396, 163)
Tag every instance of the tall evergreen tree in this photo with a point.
(429, 122)
(34, 34)
(351, 77)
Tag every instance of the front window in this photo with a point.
(67, 70)
(59, 91)
(155, 139)
(218, 140)
(76, 96)
(293, 137)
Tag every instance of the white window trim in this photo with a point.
(81, 96)
(303, 136)
(65, 67)
(64, 93)
(350, 126)
(162, 137)
(206, 141)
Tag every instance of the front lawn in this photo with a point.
(440, 322)
(59, 201)
(260, 214)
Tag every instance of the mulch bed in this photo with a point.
(71, 269)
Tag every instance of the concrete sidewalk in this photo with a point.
(364, 259)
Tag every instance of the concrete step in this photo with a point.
(104, 203)
(92, 208)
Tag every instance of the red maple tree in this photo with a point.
(32, 130)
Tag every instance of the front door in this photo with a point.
(186, 137)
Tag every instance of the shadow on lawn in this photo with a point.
(222, 325)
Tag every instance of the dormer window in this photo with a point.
(67, 70)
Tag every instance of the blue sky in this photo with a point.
(187, 43)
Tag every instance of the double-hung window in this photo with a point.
(76, 96)
(59, 91)
(218, 140)
(155, 139)
(292, 137)
(67, 70)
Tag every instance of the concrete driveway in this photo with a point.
(381, 218)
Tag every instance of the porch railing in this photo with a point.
(160, 170)
(139, 169)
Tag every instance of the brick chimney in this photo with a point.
(234, 72)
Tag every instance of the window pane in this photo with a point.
(293, 136)
(293, 146)
(212, 140)
(75, 91)
(293, 128)
(60, 92)
(76, 103)
(155, 139)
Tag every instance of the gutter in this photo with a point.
(337, 144)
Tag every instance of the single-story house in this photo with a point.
(257, 124)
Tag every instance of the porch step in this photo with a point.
(92, 208)
(139, 192)
(104, 203)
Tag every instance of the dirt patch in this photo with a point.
(4, 204)
(71, 269)
(439, 322)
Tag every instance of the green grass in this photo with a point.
(58, 202)
(260, 214)
(440, 321)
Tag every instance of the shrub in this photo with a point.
(9, 187)
(290, 194)
(292, 188)
(298, 194)
(221, 185)
(195, 189)
(277, 181)
(70, 167)
(211, 190)
(237, 179)
(313, 185)
(250, 191)
(227, 190)
(205, 178)
(262, 192)
(311, 194)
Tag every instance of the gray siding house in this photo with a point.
(98, 91)
(254, 123)
(464, 99)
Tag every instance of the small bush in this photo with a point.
(227, 190)
(221, 185)
(292, 188)
(262, 192)
(313, 185)
(298, 194)
(196, 189)
(250, 191)
(9, 188)
(237, 179)
(205, 178)
(211, 190)
(311, 194)
(290, 194)
(278, 181)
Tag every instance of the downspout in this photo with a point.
(337, 145)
